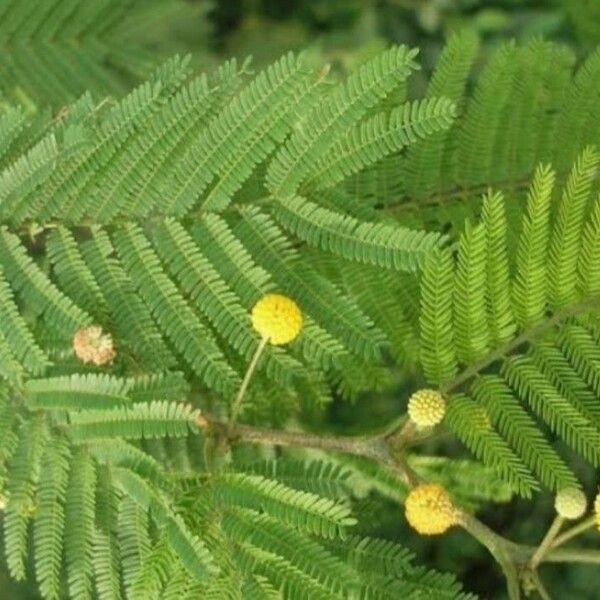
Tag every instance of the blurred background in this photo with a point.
(344, 33)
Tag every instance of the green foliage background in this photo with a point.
(346, 33)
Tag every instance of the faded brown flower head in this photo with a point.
(91, 345)
(202, 421)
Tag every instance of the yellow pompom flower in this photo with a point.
(426, 408)
(429, 509)
(570, 503)
(597, 511)
(277, 318)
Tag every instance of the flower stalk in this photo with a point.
(546, 543)
(574, 531)
(236, 407)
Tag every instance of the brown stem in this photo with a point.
(374, 448)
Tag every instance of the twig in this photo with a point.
(373, 447)
(539, 586)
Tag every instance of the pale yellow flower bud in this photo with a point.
(570, 503)
(426, 408)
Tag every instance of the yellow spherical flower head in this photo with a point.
(570, 503)
(91, 345)
(426, 408)
(597, 511)
(277, 318)
(429, 509)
